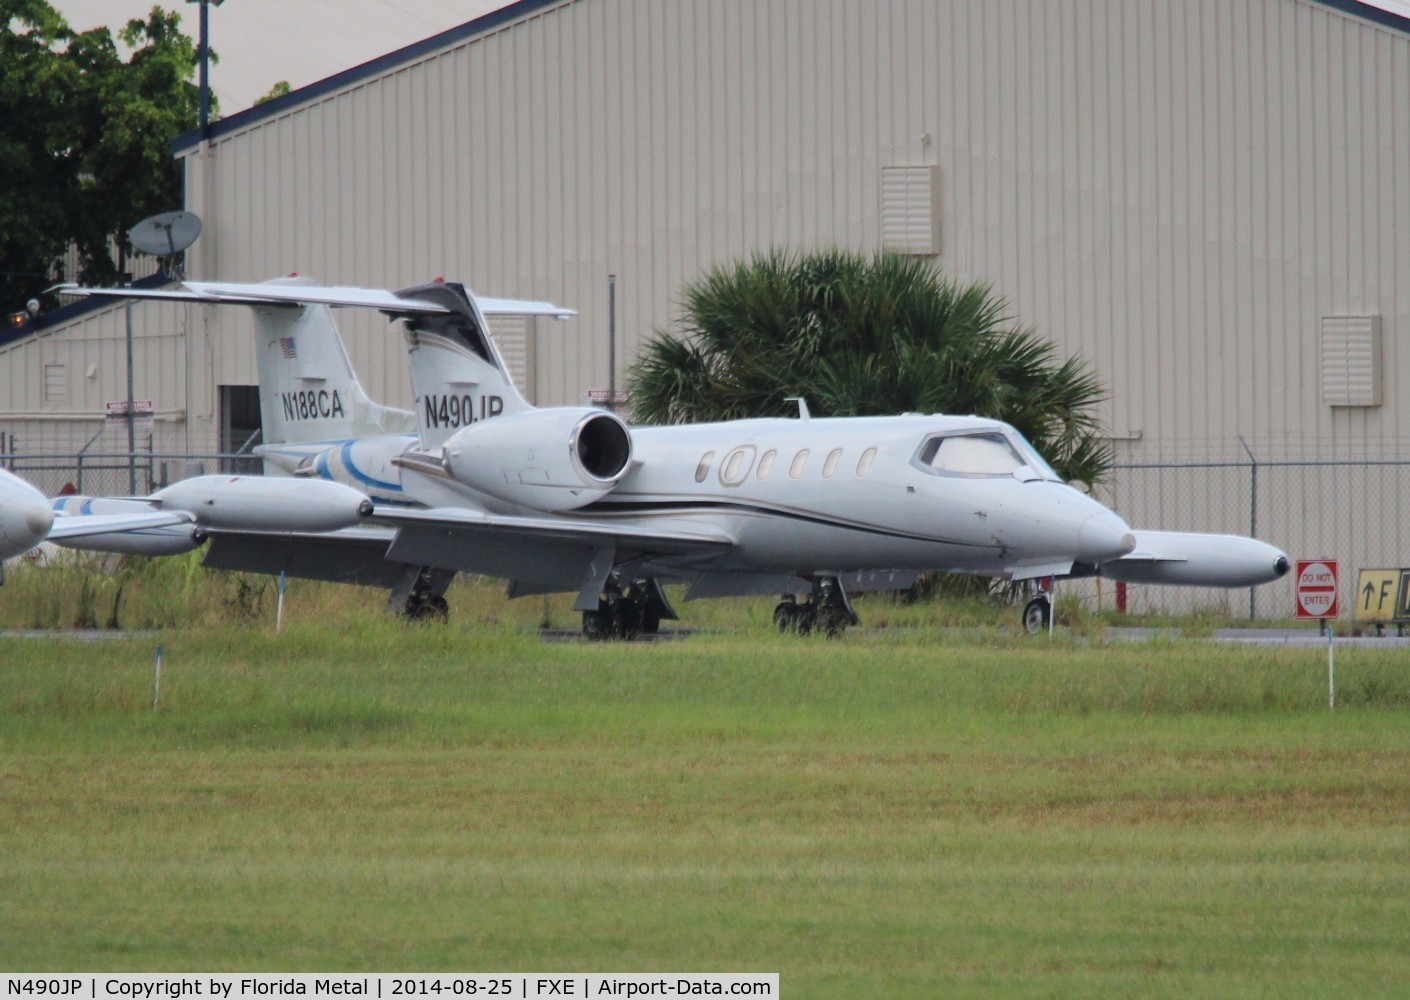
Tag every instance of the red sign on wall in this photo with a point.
(1316, 588)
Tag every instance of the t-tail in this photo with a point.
(457, 374)
(308, 388)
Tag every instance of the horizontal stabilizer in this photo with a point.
(279, 294)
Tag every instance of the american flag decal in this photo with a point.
(286, 344)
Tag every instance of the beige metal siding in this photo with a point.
(92, 357)
(1178, 192)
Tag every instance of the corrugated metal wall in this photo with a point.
(1177, 192)
(54, 387)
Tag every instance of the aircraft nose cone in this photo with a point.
(1104, 536)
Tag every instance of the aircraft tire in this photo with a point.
(1036, 614)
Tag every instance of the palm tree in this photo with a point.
(864, 336)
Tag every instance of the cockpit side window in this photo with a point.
(970, 455)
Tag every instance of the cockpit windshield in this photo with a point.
(984, 453)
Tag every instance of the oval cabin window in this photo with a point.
(737, 465)
(703, 469)
(799, 461)
(830, 466)
(766, 462)
(864, 463)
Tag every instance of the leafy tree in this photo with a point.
(85, 151)
(864, 336)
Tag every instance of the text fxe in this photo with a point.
(384, 986)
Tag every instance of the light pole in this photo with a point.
(204, 55)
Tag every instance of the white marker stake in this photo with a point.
(157, 681)
(1331, 671)
(279, 608)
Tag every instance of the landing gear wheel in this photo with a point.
(786, 616)
(1036, 614)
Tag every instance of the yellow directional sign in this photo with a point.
(1379, 594)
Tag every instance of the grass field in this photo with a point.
(896, 814)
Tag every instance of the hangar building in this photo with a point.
(1206, 201)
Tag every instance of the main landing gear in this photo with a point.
(420, 594)
(625, 613)
(827, 610)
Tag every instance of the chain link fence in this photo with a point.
(1352, 511)
(121, 473)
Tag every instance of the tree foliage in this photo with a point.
(85, 151)
(864, 336)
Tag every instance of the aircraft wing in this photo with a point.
(102, 524)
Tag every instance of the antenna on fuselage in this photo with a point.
(803, 413)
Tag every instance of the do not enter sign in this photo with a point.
(1316, 588)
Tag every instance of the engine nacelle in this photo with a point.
(553, 460)
(265, 503)
(171, 540)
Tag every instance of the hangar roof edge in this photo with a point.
(1365, 9)
(410, 53)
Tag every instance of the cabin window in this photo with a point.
(735, 468)
(864, 463)
(799, 460)
(703, 469)
(766, 462)
(830, 466)
(970, 455)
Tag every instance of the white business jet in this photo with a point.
(572, 499)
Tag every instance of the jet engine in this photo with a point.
(553, 460)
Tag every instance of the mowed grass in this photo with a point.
(894, 814)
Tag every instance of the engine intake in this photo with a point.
(554, 459)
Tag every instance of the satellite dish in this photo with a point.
(165, 235)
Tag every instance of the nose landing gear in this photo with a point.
(1036, 615)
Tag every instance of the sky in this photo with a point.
(261, 42)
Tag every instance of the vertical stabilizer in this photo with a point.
(457, 375)
(308, 389)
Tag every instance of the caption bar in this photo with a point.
(386, 986)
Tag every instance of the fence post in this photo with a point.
(1252, 512)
